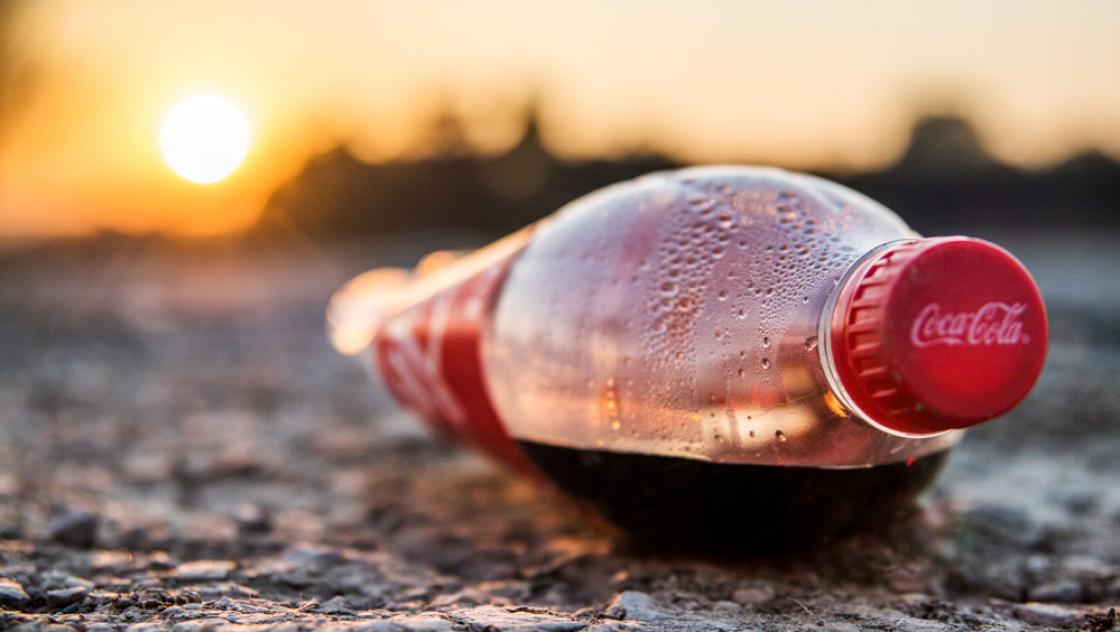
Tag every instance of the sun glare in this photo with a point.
(204, 138)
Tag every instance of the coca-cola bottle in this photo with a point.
(720, 356)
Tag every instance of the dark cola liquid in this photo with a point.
(704, 506)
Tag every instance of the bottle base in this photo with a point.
(689, 504)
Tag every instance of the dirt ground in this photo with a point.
(180, 447)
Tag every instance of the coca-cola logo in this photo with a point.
(995, 323)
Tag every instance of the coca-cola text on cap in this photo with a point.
(928, 335)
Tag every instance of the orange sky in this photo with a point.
(799, 83)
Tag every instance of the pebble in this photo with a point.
(752, 594)
(494, 618)
(210, 592)
(252, 519)
(145, 627)
(335, 605)
(1065, 591)
(634, 606)
(62, 597)
(204, 570)
(408, 623)
(12, 593)
(200, 625)
(72, 527)
(728, 607)
(1045, 614)
(313, 556)
(55, 580)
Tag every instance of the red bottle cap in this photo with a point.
(934, 334)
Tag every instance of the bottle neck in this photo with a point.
(825, 348)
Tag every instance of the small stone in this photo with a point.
(217, 590)
(383, 625)
(487, 617)
(408, 623)
(12, 593)
(145, 627)
(728, 607)
(55, 580)
(204, 570)
(61, 597)
(75, 528)
(1066, 591)
(201, 625)
(1045, 614)
(316, 557)
(335, 605)
(252, 519)
(752, 594)
(633, 605)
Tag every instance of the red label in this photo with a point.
(430, 357)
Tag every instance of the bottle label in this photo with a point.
(995, 323)
(429, 355)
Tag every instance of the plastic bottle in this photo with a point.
(718, 357)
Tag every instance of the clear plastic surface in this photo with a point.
(677, 315)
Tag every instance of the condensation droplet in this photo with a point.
(766, 363)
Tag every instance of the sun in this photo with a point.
(204, 138)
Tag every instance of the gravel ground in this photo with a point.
(181, 448)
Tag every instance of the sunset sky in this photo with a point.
(800, 83)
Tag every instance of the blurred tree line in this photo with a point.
(944, 181)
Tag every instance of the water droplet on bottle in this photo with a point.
(810, 343)
(766, 363)
(765, 341)
(780, 436)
